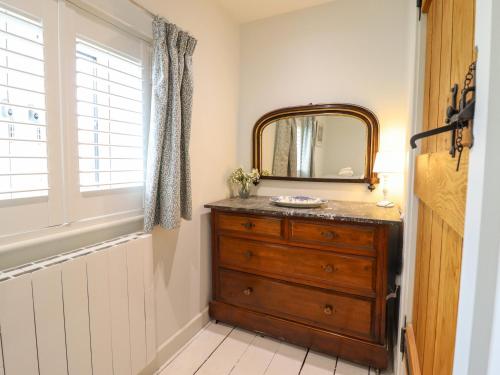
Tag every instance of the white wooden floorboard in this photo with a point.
(287, 360)
(318, 364)
(348, 368)
(219, 349)
(257, 357)
(222, 361)
(198, 350)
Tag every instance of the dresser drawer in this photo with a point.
(340, 235)
(353, 274)
(258, 225)
(316, 307)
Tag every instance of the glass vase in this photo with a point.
(244, 191)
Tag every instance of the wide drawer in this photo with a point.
(328, 310)
(339, 235)
(266, 226)
(353, 274)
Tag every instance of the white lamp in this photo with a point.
(387, 163)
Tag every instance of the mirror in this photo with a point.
(332, 142)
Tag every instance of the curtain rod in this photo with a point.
(138, 5)
(111, 19)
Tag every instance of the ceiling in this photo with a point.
(250, 10)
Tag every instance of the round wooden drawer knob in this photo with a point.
(329, 235)
(328, 310)
(329, 268)
(247, 291)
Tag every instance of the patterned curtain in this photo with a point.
(285, 148)
(168, 175)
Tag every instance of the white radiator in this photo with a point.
(89, 311)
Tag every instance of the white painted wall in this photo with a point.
(181, 257)
(351, 51)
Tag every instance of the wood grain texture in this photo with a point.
(263, 226)
(447, 303)
(442, 188)
(426, 4)
(339, 271)
(333, 234)
(317, 268)
(412, 351)
(360, 351)
(434, 83)
(425, 254)
(432, 293)
(317, 307)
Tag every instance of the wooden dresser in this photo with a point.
(318, 278)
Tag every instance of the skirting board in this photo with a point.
(177, 342)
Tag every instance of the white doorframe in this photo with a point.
(475, 351)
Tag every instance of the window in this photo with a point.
(109, 119)
(23, 124)
(73, 89)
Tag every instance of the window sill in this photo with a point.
(28, 247)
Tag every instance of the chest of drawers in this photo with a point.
(313, 280)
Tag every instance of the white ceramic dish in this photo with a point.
(298, 201)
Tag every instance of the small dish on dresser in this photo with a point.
(298, 201)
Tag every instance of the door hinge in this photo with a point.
(402, 345)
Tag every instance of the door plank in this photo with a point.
(287, 360)
(442, 188)
(411, 351)
(418, 258)
(424, 284)
(197, 351)
(257, 357)
(451, 261)
(437, 11)
(18, 327)
(49, 321)
(427, 86)
(222, 361)
(432, 293)
(443, 141)
(318, 364)
(76, 316)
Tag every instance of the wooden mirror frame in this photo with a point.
(367, 116)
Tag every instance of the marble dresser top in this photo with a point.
(362, 212)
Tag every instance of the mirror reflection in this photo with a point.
(330, 146)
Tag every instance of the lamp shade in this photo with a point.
(388, 162)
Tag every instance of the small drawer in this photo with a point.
(352, 274)
(259, 225)
(339, 235)
(320, 308)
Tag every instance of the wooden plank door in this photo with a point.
(441, 191)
